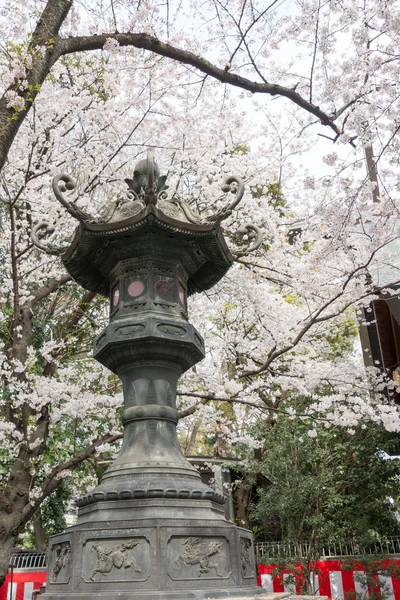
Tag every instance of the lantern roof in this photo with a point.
(145, 222)
(97, 247)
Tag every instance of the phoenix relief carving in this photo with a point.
(199, 552)
(63, 557)
(117, 557)
(246, 557)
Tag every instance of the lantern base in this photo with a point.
(255, 593)
(185, 549)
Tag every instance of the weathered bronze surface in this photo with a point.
(151, 529)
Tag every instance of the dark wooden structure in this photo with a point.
(380, 338)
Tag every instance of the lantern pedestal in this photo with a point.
(143, 549)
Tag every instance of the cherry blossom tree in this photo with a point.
(85, 88)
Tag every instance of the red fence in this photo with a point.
(337, 579)
(23, 584)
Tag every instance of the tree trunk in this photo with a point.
(13, 515)
(192, 440)
(45, 36)
(15, 508)
(38, 531)
(242, 500)
(6, 547)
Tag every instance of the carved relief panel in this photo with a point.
(201, 557)
(112, 560)
(60, 568)
(247, 561)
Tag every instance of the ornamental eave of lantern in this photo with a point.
(144, 222)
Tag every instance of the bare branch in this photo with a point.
(80, 310)
(49, 288)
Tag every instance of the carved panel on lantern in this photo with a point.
(164, 305)
(151, 394)
(129, 209)
(172, 330)
(171, 428)
(101, 341)
(151, 427)
(163, 271)
(128, 330)
(170, 396)
(116, 560)
(198, 340)
(132, 394)
(135, 305)
(247, 558)
(200, 557)
(60, 562)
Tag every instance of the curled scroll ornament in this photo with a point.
(235, 185)
(62, 183)
(42, 230)
(254, 237)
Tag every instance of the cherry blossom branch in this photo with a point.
(314, 50)
(317, 318)
(205, 399)
(211, 397)
(44, 36)
(244, 34)
(52, 481)
(153, 44)
(14, 265)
